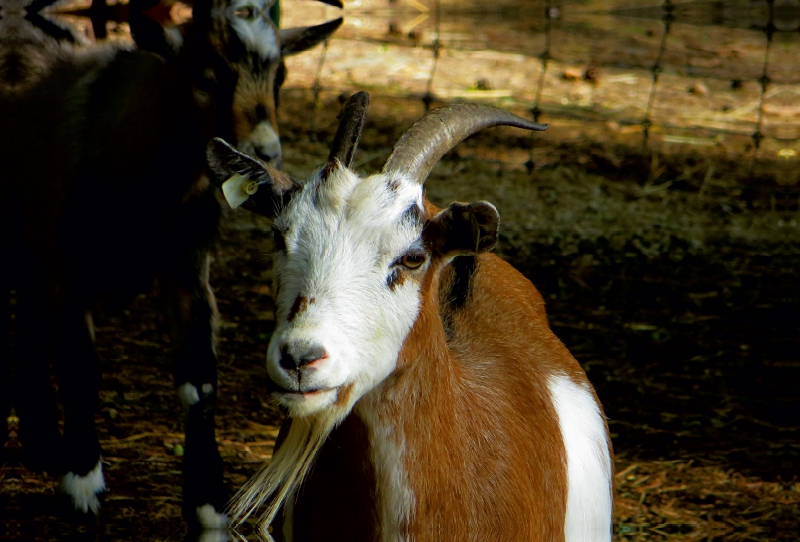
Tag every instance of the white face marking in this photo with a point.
(84, 490)
(343, 239)
(589, 499)
(209, 518)
(257, 32)
(264, 143)
(188, 395)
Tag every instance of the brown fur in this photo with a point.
(252, 91)
(483, 455)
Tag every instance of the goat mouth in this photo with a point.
(280, 391)
(309, 393)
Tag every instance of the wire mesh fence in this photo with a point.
(713, 81)
(548, 68)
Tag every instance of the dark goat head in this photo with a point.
(234, 53)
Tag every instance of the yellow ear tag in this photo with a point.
(237, 189)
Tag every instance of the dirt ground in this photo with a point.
(669, 270)
(692, 347)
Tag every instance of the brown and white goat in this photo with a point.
(418, 369)
(104, 188)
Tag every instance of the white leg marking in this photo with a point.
(210, 519)
(84, 490)
(188, 394)
(588, 462)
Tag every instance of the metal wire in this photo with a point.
(554, 11)
(535, 111)
(667, 18)
(317, 90)
(436, 46)
(764, 80)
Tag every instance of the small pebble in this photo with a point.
(698, 89)
(571, 75)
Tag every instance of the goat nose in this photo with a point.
(297, 355)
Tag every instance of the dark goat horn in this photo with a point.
(351, 122)
(424, 144)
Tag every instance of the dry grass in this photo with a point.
(676, 500)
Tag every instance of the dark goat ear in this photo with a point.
(149, 35)
(297, 40)
(245, 181)
(463, 229)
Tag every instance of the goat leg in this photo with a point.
(35, 399)
(190, 307)
(77, 369)
(6, 387)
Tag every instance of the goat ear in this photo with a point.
(297, 40)
(149, 35)
(245, 181)
(463, 229)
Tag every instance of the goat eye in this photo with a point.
(412, 260)
(245, 12)
(206, 82)
(202, 97)
(280, 241)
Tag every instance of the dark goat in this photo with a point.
(103, 189)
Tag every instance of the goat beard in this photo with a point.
(279, 480)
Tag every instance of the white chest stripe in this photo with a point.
(588, 462)
(396, 500)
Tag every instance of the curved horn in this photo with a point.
(439, 130)
(351, 122)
